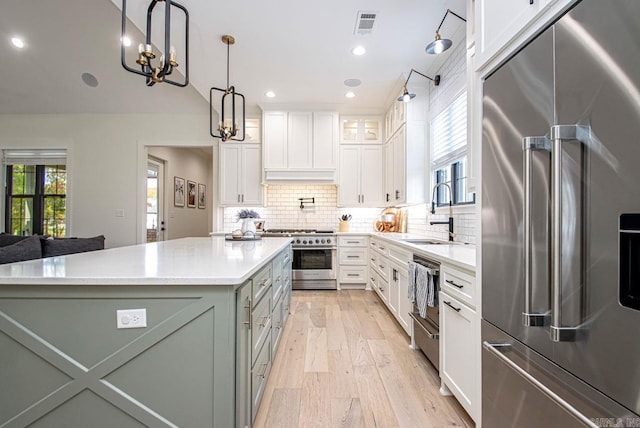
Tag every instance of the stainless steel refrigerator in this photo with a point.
(561, 225)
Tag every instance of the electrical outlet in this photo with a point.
(131, 318)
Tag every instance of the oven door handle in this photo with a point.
(429, 334)
(313, 248)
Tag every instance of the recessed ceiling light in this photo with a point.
(352, 83)
(270, 94)
(17, 42)
(126, 41)
(358, 51)
(350, 94)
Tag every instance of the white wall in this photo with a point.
(194, 165)
(103, 164)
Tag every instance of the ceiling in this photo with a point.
(301, 50)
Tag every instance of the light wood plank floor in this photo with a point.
(343, 361)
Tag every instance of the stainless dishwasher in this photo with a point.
(426, 331)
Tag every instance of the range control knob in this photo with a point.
(323, 241)
(317, 241)
(328, 241)
(304, 242)
(297, 241)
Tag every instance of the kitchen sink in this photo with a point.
(418, 241)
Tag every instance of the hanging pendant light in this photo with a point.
(157, 71)
(228, 126)
(440, 45)
(406, 96)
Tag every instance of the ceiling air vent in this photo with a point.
(364, 22)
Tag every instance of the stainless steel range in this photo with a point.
(314, 257)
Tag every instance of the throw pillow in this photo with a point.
(64, 246)
(26, 249)
(8, 239)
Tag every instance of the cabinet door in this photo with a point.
(404, 303)
(371, 177)
(230, 166)
(299, 138)
(349, 189)
(388, 194)
(399, 167)
(251, 171)
(394, 295)
(243, 356)
(457, 350)
(498, 21)
(325, 140)
(275, 139)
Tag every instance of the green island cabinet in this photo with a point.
(202, 361)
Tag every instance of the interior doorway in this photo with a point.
(155, 200)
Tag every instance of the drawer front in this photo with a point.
(400, 255)
(354, 274)
(381, 266)
(260, 324)
(352, 241)
(262, 282)
(380, 285)
(459, 284)
(352, 256)
(259, 375)
(380, 246)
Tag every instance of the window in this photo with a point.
(36, 192)
(449, 153)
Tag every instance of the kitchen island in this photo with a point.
(195, 358)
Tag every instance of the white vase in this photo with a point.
(248, 225)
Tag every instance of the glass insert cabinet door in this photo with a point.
(360, 130)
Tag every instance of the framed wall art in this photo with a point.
(191, 194)
(202, 195)
(178, 191)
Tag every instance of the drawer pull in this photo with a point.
(249, 309)
(381, 266)
(264, 370)
(266, 282)
(373, 259)
(264, 320)
(353, 242)
(448, 281)
(353, 257)
(352, 274)
(451, 306)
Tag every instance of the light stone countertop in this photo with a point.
(455, 253)
(186, 261)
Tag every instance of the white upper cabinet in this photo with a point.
(325, 135)
(360, 178)
(300, 146)
(502, 26)
(360, 130)
(240, 174)
(275, 139)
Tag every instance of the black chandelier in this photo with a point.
(228, 128)
(158, 72)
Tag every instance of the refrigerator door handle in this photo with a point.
(493, 349)
(560, 133)
(529, 144)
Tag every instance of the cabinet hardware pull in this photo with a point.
(397, 194)
(263, 321)
(395, 275)
(353, 242)
(381, 266)
(448, 281)
(451, 306)
(352, 274)
(249, 323)
(353, 257)
(264, 371)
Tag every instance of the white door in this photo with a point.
(349, 189)
(275, 139)
(230, 171)
(155, 200)
(251, 175)
(399, 167)
(371, 176)
(325, 139)
(388, 193)
(299, 140)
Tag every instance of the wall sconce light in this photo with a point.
(440, 45)
(228, 128)
(406, 96)
(159, 72)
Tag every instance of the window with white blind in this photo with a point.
(449, 153)
(36, 187)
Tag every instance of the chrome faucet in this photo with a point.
(433, 209)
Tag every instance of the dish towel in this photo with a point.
(422, 288)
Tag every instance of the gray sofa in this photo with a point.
(15, 248)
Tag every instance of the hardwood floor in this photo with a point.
(345, 362)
